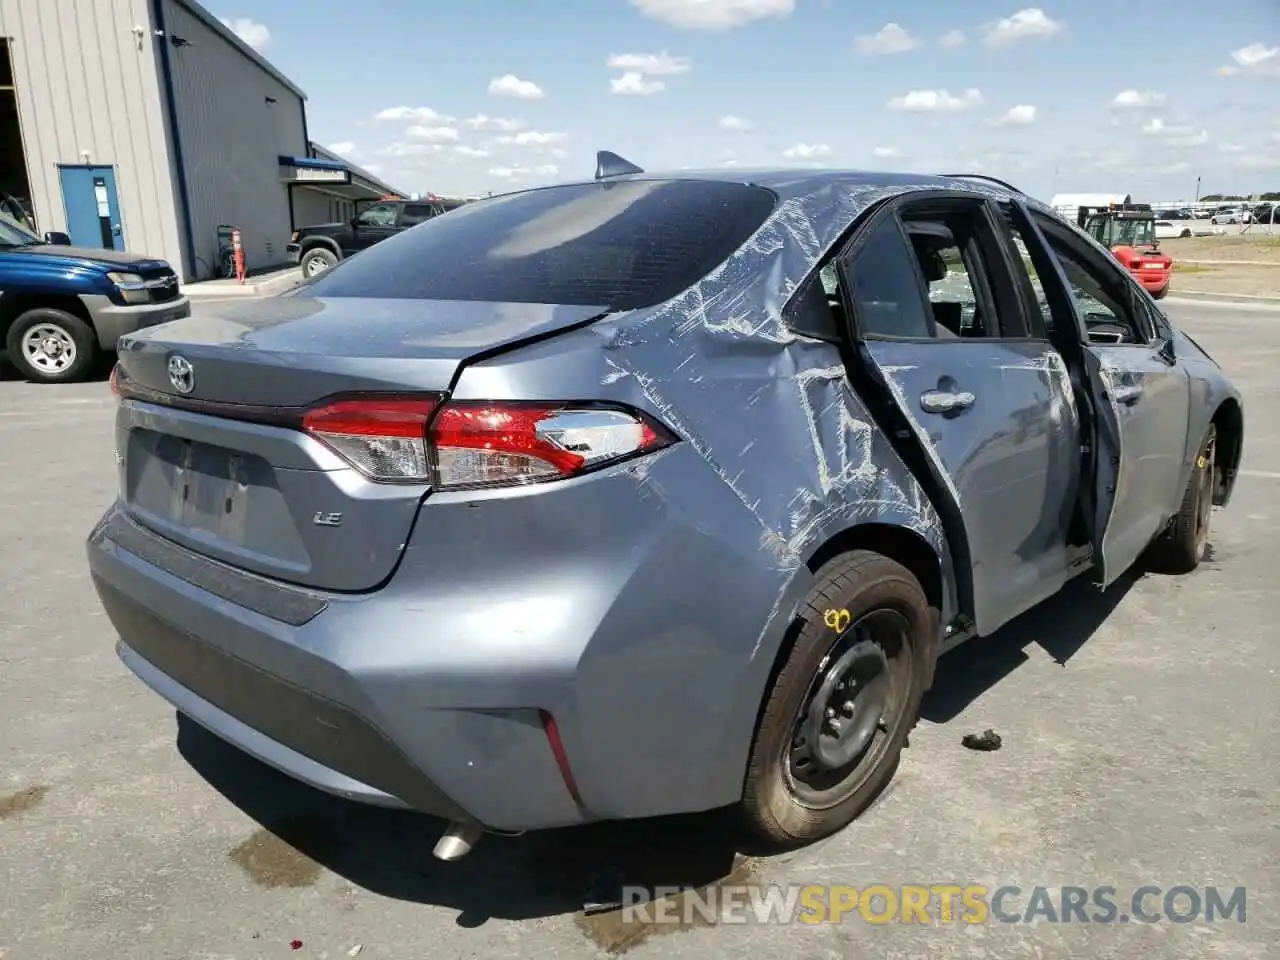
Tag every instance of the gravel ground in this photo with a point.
(1139, 746)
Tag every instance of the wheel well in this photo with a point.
(15, 304)
(1228, 420)
(897, 543)
(310, 243)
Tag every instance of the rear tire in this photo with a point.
(52, 346)
(1161, 293)
(1183, 545)
(317, 260)
(814, 767)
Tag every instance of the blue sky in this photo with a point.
(468, 96)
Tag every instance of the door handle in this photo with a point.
(1127, 395)
(946, 401)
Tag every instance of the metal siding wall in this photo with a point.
(86, 82)
(231, 142)
(312, 207)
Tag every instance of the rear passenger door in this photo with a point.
(940, 323)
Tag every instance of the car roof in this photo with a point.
(797, 182)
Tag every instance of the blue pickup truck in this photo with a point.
(62, 306)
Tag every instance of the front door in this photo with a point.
(1143, 397)
(942, 324)
(373, 224)
(93, 210)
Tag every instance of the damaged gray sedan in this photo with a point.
(647, 494)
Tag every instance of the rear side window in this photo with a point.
(886, 288)
(622, 245)
(415, 213)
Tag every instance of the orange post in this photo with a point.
(238, 251)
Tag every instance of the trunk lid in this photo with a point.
(222, 470)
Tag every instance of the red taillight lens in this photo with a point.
(384, 438)
(467, 444)
(476, 444)
(115, 379)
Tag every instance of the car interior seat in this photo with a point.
(947, 315)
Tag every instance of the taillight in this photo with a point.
(115, 379)
(469, 444)
(384, 438)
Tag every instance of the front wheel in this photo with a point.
(1184, 543)
(838, 714)
(317, 260)
(52, 346)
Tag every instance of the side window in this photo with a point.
(886, 287)
(1099, 294)
(949, 260)
(380, 215)
(415, 213)
(817, 310)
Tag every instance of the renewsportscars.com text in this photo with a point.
(932, 904)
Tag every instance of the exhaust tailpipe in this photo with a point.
(457, 841)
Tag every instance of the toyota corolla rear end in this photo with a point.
(385, 534)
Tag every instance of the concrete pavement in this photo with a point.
(1139, 735)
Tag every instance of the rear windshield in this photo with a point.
(621, 245)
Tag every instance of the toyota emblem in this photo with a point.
(181, 374)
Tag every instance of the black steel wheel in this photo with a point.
(1185, 542)
(837, 716)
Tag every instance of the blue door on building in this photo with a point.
(93, 211)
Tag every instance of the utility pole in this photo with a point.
(1197, 189)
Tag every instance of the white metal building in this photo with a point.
(148, 124)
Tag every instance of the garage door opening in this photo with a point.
(15, 188)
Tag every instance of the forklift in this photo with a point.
(1128, 230)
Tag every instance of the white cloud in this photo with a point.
(509, 85)
(633, 84)
(1018, 116)
(1023, 25)
(1176, 134)
(401, 150)
(482, 122)
(807, 151)
(650, 64)
(885, 153)
(713, 14)
(889, 39)
(736, 124)
(414, 114)
(374, 168)
(463, 150)
(952, 39)
(343, 148)
(532, 138)
(432, 134)
(936, 101)
(1137, 100)
(1256, 59)
(251, 32)
(519, 173)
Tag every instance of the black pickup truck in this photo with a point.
(319, 247)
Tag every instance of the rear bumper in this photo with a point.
(285, 693)
(112, 321)
(1153, 283)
